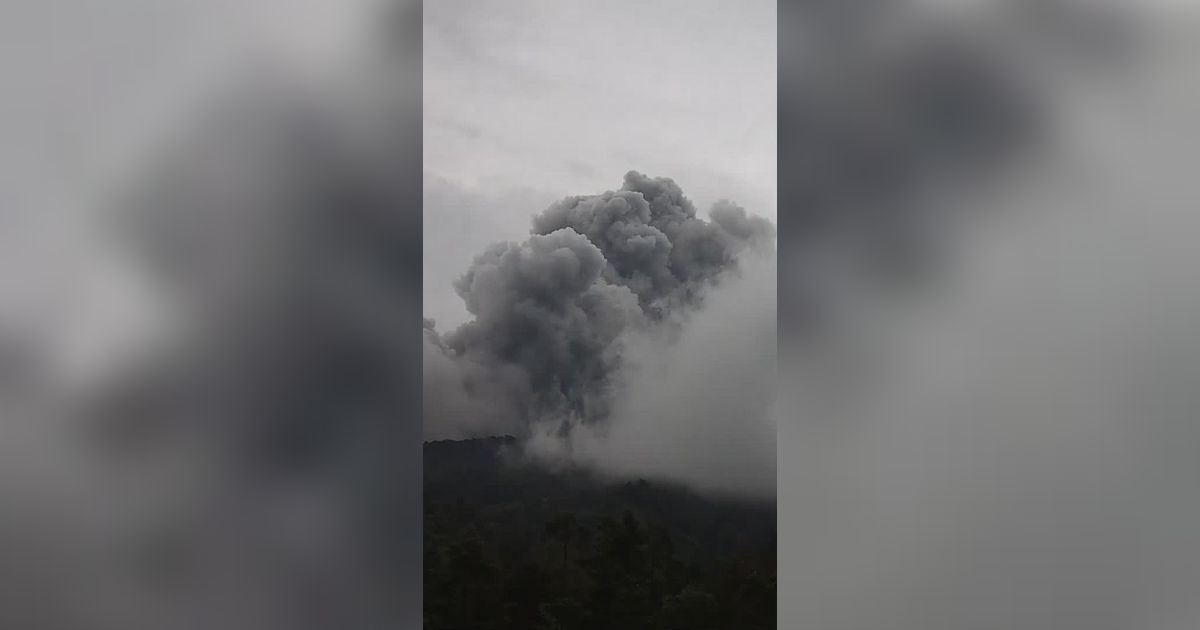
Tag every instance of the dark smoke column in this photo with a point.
(551, 314)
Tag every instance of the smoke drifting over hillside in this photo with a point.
(570, 326)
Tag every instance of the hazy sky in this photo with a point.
(528, 101)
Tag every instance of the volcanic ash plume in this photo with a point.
(548, 348)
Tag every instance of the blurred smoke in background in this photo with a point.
(209, 339)
(210, 314)
(987, 314)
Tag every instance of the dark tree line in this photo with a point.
(525, 549)
(619, 573)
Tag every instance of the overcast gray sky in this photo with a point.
(527, 101)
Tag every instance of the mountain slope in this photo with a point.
(509, 545)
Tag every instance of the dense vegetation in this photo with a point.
(509, 546)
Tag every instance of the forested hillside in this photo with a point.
(508, 545)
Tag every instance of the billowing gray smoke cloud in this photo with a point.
(694, 403)
(652, 240)
(554, 316)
